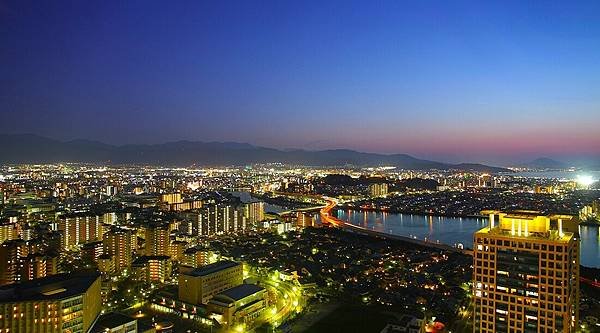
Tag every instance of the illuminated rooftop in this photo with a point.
(528, 224)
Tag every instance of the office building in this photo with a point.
(197, 286)
(526, 274)
(59, 303)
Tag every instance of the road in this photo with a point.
(289, 300)
(335, 222)
(331, 220)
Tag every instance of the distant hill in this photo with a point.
(545, 163)
(28, 148)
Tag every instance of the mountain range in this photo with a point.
(545, 163)
(29, 148)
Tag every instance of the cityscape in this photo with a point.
(299, 167)
(291, 249)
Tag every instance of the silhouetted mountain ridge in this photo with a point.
(545, 163)
(29, 148)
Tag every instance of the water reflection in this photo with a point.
(453, 230)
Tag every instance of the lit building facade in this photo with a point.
(81, 229)
(171, 198)
(11, 265)
(526, 274)
(198, 286)
(8, 231)
(37, 265)
(152, 268)
(240, 304)
(378, 189)
(60, 303)
(198, 256)
(118, 245)
(254, 212)
(216, 219)
(157, 240)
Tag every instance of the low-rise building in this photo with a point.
(114, 322)
(197, 286)
(240, 304)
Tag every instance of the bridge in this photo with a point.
(327, 218)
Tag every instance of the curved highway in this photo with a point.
(333, 221)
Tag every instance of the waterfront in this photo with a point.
(246, 197)
(452, 230)
(558, 174)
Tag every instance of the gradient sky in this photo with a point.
(451, 80)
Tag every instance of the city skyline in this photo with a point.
(427, 80)
(313, 166)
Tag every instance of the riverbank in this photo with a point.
(590, 224)
(451, 231)
(411, 212)
(281, 201)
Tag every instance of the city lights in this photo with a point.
(585, 180)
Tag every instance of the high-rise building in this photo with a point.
(92, 251)
(526, 274)
(81, 229)
(37, 265)
(11, 254)
(177, 249)
(111, 190)
(118, 245)
(171, 198)
(198, 257)
(216, 219)
(152, 268)
(197, 286)
(254, 212)
(304, 220)
(59, 303)
(8, 231)
(378, 189)
(157, 240)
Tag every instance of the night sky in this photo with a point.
(450, 80)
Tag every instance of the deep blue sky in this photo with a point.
(453, 80)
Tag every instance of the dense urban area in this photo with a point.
(261, 248)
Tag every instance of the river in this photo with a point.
(452, 230)
(445, 230)
(246, 197)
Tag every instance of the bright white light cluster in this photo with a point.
(585, 180)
